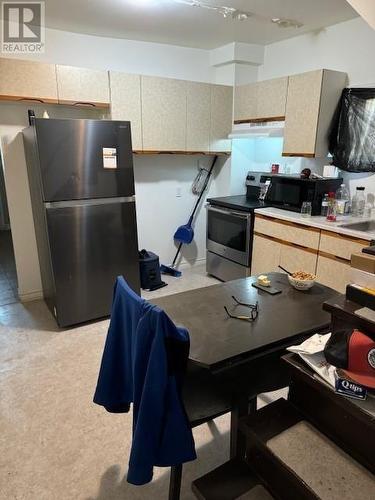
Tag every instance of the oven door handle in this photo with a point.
(242, 215)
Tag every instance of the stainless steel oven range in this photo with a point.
(230, 225)
(229, 235)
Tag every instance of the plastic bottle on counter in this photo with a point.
(342, 200)
(324, 208)
(331, 212)
(359, 202)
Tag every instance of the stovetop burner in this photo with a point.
(240, 202)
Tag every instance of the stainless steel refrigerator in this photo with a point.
(82, 190)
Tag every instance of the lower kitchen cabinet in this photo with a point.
(340, 245)
(266, 255)
(295, 259)
(333, 272)
(299, 248)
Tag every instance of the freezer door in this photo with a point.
(90, 245)
(83, 159)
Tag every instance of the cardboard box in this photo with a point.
(362, 278)
(364, 262)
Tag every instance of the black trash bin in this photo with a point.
(149, 267)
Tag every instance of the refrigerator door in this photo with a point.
(91, 243)
(83, 159)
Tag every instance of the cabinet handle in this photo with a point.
(32, 99)
(89, 104)
(353, 239)
(334, 257)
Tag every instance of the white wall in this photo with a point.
(130, 56)
(347, 46)
(258, 155)
(160, 211)
(157, 177)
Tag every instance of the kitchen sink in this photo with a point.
(367, 226)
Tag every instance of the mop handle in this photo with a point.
(203, 190)
(177, 253)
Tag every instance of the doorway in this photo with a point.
(8, 274)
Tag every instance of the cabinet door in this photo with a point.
(27, 80)
(333, 273)
(266, 255)
(297, 259)
(82, 86)
(126, 103)
(340, 245)
(221, 118)
(271, 98)
(286, 231)
(198, 116)
(302, 113)
(163, 114)
(245, 102)
(333, 84)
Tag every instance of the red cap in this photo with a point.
(361, 359)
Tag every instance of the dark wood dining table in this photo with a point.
(218, 341)
(224, 345)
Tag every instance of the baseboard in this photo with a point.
(191, 263)
(38, 294)
(30, 296)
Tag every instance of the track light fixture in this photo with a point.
(240, 15)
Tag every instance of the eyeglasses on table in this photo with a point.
(254, 310)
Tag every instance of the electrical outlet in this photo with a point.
(178, 192)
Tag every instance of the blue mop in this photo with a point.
(185, 233)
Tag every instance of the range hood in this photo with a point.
(258, 129)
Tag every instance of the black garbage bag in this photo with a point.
(352, 137)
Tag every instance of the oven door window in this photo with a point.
(228, 230)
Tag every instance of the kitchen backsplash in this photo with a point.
(258, 154)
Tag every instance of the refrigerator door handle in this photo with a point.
(91, 202)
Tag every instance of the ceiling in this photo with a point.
(167, 21)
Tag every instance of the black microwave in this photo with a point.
(290, 192)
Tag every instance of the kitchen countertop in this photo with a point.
(319, 222)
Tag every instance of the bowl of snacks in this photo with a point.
(301, 280)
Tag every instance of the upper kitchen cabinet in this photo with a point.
(311, 103)
(245, 102)
(27, 80)
(260, 101)
(126, 103)
(198, 116)
(164, 114)
(221, 118)
(271, 99)
(82, 86)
